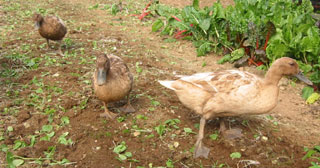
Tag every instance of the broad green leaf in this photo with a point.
(306, 92)
(157, 25)
(120, 148)
(122, 157)
(313, 98)
(195, 4)
(235, 155)
(205, 24)
(237, 54)
(47, 128)
(17, 162)
(214, 136)
(224, 59)
(128, 154)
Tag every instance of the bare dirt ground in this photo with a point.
(39, 87)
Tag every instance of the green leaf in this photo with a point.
(224, 59)
(114, 9)
(47, 128)
(306, 92)
(9, 158)
(214, 136)
(205, 24)
(169, 163)
(160, 129)
(196, 5)
(128, 154)
(188, 130)
(65, 120)
(235, 155)
(237, 54)
(155, 103)
(10, 129)
(313, 98)
(17, 162)
(157, 25)
(120, 148)
(122, 157)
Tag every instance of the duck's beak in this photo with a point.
(102, 76)
(304, 79)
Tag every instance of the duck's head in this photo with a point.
(103, 66)
(37, 18)
(288, 66)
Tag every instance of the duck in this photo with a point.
(50, 28)
(231, 93)
(112, 81)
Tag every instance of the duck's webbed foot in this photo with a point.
(108, 115)
(230, 134)
(201, 150)
(128, 107)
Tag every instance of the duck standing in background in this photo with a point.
(231, 93)
(112, 81)
(51, 28)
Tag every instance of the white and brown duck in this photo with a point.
(112, 81)
(51, 28)
(231, 93)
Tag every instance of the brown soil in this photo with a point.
(276, 142)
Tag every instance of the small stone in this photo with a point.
(136, 133)
(26, 124)
(98, 148)
(264, 138)
(178, 132)
(282, 88)
(176, 144)
(56, 74)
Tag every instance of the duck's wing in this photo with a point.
(216, 82)
(118, 67)
(234, 81)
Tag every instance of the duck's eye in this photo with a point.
(291, 63)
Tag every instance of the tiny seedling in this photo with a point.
(214, 136)
(235, 155)
(188, 131)
(121, 151)
(160, 129)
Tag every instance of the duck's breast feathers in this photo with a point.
(53, 28)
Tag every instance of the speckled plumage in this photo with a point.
(119, 80)
(230, 93)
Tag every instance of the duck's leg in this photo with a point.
(48, 46)
(200, 149)
(229, 133)
(128, 107)
(60, 50)
(107, 113)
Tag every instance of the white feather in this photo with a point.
(197, 76)
(167, 84)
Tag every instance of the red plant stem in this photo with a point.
(257, 43)
(267, 39)
(144, 12)
(177, 19)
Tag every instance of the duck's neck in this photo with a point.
(272, 77)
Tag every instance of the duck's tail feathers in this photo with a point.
(167, 84)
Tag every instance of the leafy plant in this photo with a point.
(235, 155)
(313, 154)
(120, 150)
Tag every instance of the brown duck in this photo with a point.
(50, 28)
(112, 81)
(231, 93)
